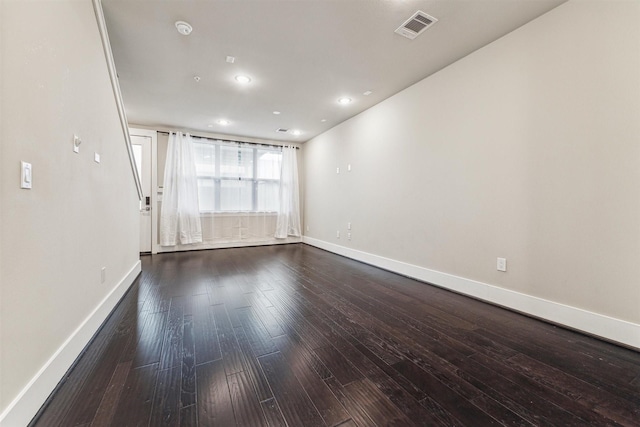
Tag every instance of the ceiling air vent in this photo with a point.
(282, 130)
(415, 25)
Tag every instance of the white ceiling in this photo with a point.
(302, 55)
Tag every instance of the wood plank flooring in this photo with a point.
(294, 336)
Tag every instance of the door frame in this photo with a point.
(154, 182)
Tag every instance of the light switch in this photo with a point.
(26, 176)
(96, 157)
(76, 144)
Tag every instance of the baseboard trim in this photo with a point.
(26, 405)
(608, 328)
(227, 245)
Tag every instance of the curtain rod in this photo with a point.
(230, 140)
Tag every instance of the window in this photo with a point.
(237, 178)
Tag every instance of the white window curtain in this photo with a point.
(288, 222)
(180, 215)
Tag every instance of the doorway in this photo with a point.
(142, 145)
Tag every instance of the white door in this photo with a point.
(142, 153)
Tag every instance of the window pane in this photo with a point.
(269, 164)
(236, 195)
(206, 194)
(268, 196)
(236, 162)
(226, 177)
(205, 158)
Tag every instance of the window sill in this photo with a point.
(212, 214)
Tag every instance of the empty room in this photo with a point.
(319, 213)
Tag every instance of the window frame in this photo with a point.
(217, 178)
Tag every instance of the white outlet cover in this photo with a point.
(337, 170)
(502, 264)
(96, 157)
(338, 234)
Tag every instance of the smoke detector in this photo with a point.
(415, 25)
(184, 28)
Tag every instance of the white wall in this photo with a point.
(527, 149)
(80, 216)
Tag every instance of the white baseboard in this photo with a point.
(606, 327)
(227, 245)
(25, 406)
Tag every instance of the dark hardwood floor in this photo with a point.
(294, 336)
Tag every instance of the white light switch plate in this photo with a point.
(26, 175)
(96, 157)
(76, 144)
(502, 264)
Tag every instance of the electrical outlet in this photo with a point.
(103, 274)
(337, 170)
(338, 234)
(348, 236)
(502, 264)
(349, 167)
(348, 226)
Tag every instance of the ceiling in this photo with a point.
(302, 56)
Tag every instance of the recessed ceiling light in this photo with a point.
(223, 122)
(231, 59)
(367, 93)
(296, 132)
(196, 78)
(243, 79)
(184, 28)
(344, 100)
(276, 112)
(323, 120)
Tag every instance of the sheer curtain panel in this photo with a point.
(288, 221)
(180, 214)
